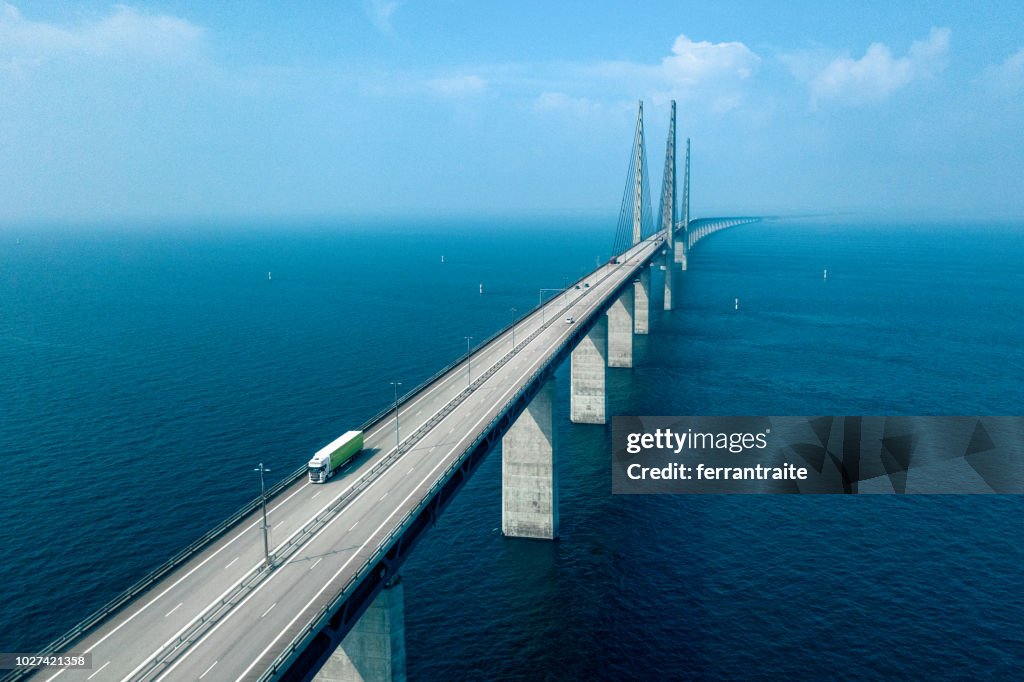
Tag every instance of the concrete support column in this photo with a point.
(529, 475)
(588, 401)
(373, 650)
(620, 331)
(642, 302)
(669, 268)
(681, 252)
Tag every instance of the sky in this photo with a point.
(176, 110)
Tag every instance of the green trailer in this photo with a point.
(331, 457)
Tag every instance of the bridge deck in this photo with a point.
(220, 616)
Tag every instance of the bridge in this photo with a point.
(323, 600)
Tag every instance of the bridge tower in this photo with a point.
(638, 185)
(683, 244)
(642, 286)
(668, 205)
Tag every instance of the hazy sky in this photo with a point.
(171, 109)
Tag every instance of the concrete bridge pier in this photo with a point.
(588, 402)
(529, 474)
(642, 303)
(681, 252)
(620, 331)
(374, 649)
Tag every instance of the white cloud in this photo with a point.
(715, 74)
(692, 62)
(878, 74)
(559, 101)
(726, 103)
(1007, 77)
(125, 31)
(457, 86)
(692, 66)
(380, 13)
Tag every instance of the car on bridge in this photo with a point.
(570, 320)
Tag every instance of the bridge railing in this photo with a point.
(317, 622)
(154, 576)
(396, 532)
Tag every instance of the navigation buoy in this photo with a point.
(737, 304)
(825, 276)
(442, 259)
(268, 276)
(481, 289)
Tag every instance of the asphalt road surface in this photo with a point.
(222, 616)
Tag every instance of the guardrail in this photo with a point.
(222, 607)
(154, 576)
(218, 531)
(392, 536)
(316, 623)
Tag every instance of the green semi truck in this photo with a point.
(329, 458)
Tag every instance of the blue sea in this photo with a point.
(144, 372)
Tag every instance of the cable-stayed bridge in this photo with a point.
(324, 599)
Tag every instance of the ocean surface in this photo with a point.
(144, 372)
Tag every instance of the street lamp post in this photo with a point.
(514, 311)
(469, 362)
(266, 526)
(396, 384)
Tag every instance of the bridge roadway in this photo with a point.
(220, 616)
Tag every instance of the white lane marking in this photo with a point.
(179, 580)
(266, 582)
(317, 493)
(231, 562)
(208, 670)
(97, 671)
(382, 497)
(173, 610)
(270, 609)
(296, 555)
(311, 539)
(354, 526)
(315, 563)
(420, 398)
(355, 554)
(232, 587)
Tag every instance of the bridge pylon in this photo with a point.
(638, 184)
(683, 245)
(668, 206)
